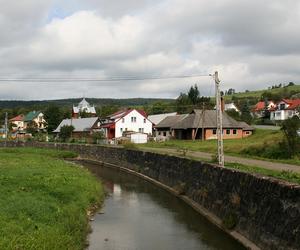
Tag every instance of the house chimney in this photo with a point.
(222, 104)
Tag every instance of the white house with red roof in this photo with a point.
(285, 109)
(259, 108)
(126, 121)
(17, 123)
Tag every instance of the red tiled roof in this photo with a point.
(17, 118)
(123, 113)
(259, 106)
(293, 104)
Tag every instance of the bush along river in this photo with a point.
(137, 215)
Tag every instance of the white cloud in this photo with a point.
(252, 43)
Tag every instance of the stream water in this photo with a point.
(138, 215)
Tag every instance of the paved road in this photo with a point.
(231, 159)
(269, 127)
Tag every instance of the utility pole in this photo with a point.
(203, 117)
(219, 121)
(6, 128)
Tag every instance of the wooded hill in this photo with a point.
(8, 104)
(273, 93)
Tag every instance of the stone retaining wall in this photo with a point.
(264, 210)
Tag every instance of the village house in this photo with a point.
(126, 121)
(285, 109)
(155, 119)
(35, 119)
(202, 124)
(260, 108)
(164, 129)
(83, 127)
(2, 133)
(17, 123)
(83, 108)
(229, 106)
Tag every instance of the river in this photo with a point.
(138, 215)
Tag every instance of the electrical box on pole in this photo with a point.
(219, 120)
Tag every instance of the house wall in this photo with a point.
(280, 115)
(133, 126)
(18, 125)
(247, 133)
(163, 133)
(209, 134)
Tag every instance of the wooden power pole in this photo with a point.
(219, 121)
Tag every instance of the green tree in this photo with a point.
(245, 113)
(53, 115)
(66, 132)
(32, 128)
(292, 138)
(183, 104)
(234, 114)
(97, 136)
(194, 94)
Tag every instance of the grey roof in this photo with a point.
(80, 125)
(156, 119)
(246, 126)
(170, 121)
(194, 120)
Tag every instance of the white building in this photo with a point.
(131, 120)
(285, 109)
(83, 107)
(231, 106)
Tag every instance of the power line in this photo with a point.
(111, 79)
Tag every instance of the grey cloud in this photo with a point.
(252, 43)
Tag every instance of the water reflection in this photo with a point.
(140, 216)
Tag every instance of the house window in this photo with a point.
(133, 119)
(144, 120)
(126, 129)
(159, 133)
(121, 130)
(247, 133)
(98, 124)
(141, 130)
(123, 120)
(165, 133)
(234, 131)
(282, 106)
(214, 131)
(227, 131)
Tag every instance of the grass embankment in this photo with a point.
(238, 147)
(258, 93)
(44, 200)
(282, 175)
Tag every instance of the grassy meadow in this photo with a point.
(44, 200)
(258, 93)
(239, 147)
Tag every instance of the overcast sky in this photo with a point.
(253, 44)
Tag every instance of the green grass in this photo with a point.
(258, 93)
(44, 200)
(283, 175)
(233, 147)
